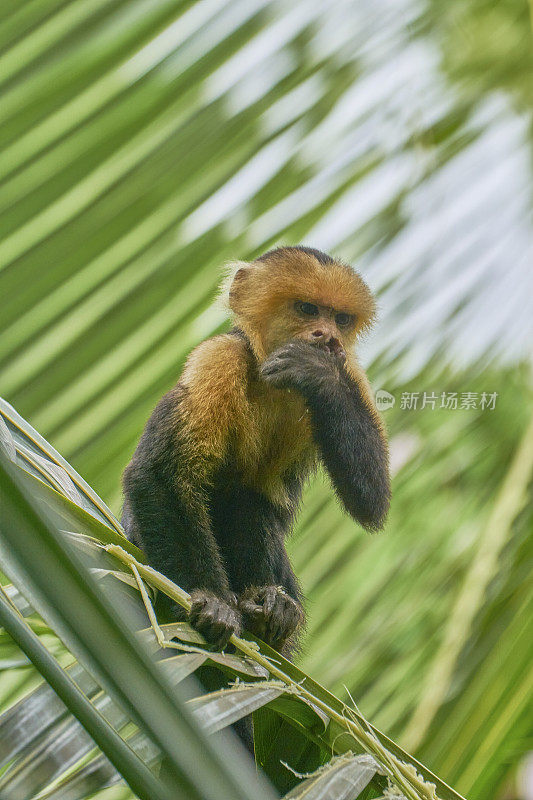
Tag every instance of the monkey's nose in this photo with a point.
(331, 342)
(334, 346)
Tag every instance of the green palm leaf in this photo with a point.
(119, 691)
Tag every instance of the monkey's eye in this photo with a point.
(309, 309)
(343, 320)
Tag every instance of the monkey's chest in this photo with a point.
(277, 444)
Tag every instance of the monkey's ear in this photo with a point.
(237, 284)
(236, 279)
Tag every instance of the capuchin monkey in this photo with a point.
(215, 482)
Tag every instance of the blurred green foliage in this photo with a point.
(144, 143)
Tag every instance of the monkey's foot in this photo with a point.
(214, 618)
(271, 614)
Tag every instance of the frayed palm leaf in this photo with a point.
(45, 748)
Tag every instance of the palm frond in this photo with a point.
(56, 570)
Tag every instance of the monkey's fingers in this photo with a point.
(259, 601)
(270, 613)
(276, 375)
(252, 617)
(280, 362)
(215, 619)
(284, 618)
(250, 608)
(269, 597)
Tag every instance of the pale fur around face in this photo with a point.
(261, 295)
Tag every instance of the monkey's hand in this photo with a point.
(215, 618)
(303, 366)
(270, 613)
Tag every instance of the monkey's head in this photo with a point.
(299, 293)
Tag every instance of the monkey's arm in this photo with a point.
(345, 427)
(172, 530)
(166, 506)
(259, 568)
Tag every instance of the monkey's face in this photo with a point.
(299, 293)
(309, 320)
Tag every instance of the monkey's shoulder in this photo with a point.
(217, 370)
(206, 394)
(210, 399)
